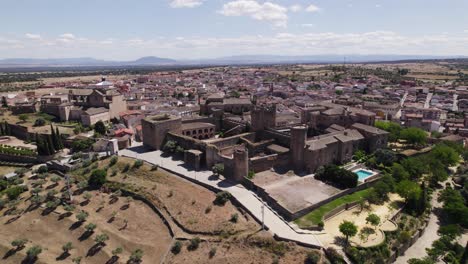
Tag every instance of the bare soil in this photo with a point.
(52, 230)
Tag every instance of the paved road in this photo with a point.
(418, 249)
(247, 198)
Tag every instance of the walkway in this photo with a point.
(418, 249)
(248, 199)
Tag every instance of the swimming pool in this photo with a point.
(363, 175)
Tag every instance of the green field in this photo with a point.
(314, 217)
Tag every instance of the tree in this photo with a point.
(59, 138)
(67, 247)
(136, 256)
(414, 136)
(14, 192)
(77, 260)
(170, 146)
(50, 145)
(399, 173)
(101, 239)
(33, 252)
(339, 177)
(90, 227)
(373, 219)
(19, 243)
(393, 128)
(445, 154)
(97, 178)
(81, 216)
(194, 243)
(117, 251)
(312, 257)
(176, 248)
(23, 117)
(100, 127)
(218, 169)
(384, 156)
(55, 179)
(348, 229)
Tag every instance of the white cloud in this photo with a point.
(32, 36)
(267, 11)
(308, 25)
(285, 43)
(295, 8)
(466, 30)
(185, 3)
(313, 8)
(378, 6)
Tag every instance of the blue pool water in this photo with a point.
(363, 175)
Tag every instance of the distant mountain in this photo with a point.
(232, 60)
(26, 62)
(252, 59)
(153, 60)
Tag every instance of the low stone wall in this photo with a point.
(339, 209)
(19, 159)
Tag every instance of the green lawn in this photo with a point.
(314, 217)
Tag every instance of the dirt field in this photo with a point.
(190, 205)
(52, 230)
(260, 248)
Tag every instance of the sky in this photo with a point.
(195, 29)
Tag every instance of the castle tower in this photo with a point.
(263, 117)
(297, 147)
(241, 164)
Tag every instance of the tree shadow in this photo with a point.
(63, 256)
(125, 207)
(64, 215)
(85, 235)
(213, 177)
(84, 203)
(52, 186)
(99, 209)
(94, 250)
(11, 220)
(76, 225)
(111, 220)
(28, 260)
(113, 200)
(47, 211)
(11, 252)
(113, 260)
(339, 240)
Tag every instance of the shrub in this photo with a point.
(42, 169)
(39, 122)
(34, 251)
(208, 209)
(14, 192)
(312, 257)
(113, 161)
(19, 243)
(126, 167)
(194, 243)
(404, 237)
(334, 256)
(97, 178)
(222, 198)
(67, 247)
(176, 248)
(321, 224)
(136, 256)
(138, 163)
(212, 252)
(234, 218)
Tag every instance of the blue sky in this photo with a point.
(190, 29)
